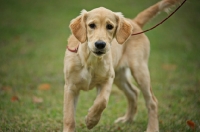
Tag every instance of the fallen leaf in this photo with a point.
(118, 128)
(14, 98)
(7, 88)
(169, 67)
(191, 124)
(37, 99)
(44, 86)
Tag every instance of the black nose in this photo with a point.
(100, 44)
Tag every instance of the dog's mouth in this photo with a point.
(99, 53)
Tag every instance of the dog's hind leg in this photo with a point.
(123, 82)
(141, 74)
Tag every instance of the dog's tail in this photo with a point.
(142, 18)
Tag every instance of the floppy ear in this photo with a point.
(124, 29)
(78, 28)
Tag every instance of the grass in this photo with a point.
(33, 38)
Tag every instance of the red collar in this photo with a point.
(73, 50)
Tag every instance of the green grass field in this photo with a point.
(33, 39)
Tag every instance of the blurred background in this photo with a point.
(33, 40)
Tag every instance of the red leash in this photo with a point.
(161, 21)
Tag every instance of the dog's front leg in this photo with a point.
(100, 103)
(70, 99)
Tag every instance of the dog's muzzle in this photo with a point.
(100, 47)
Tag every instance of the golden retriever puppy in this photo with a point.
(101, 50)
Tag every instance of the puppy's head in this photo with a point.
(99, 27)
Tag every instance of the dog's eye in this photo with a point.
(109, 27)
(92, 25)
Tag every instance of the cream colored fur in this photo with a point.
(86, 70)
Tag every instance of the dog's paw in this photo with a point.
(91, 121)
(123, 119)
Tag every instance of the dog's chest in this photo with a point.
(93, 75)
